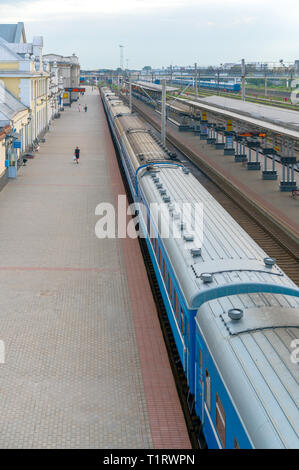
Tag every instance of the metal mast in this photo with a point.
(195, 71)
(130, 93)
(121, 61)
(243, 79)
(163, 113)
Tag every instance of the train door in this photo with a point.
(189, 360)
(199, 382)
(183, 325)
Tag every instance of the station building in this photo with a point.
(23, 75)
(31, 90)
(68, 72)
(3, 132)
(14, 131)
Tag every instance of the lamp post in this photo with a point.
(243, 72)
(130, 93)
(218, 78)
(195, 70)
(163, 113)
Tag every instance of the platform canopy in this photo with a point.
(154, 86)
(276, 120)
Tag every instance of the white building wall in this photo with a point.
(25, 91)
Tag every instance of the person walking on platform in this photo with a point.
(79, 107)
(77, 154)
(85, 108)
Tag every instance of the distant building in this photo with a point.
(228, 65)
(68, 70)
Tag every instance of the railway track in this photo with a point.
(275, 241)
(271, 92)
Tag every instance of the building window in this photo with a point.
(208, 391)
(220, 420)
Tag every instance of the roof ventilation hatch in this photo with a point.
(269, 262)
(235, 314)
(195, 252)
(206, 277)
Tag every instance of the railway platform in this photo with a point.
(85, 361)
(279, 206)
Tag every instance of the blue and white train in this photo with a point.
(233, 312)
(213, 85)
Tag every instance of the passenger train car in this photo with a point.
(233, 312)
(225, 86)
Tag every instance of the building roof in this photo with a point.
(21, 48)
(13, 32)
(6, 52)
(73, 59)
(9, 106)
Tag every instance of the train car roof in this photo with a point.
(228, 253)
(254, 360)
(253, 352)
(144, 146)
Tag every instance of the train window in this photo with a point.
(176, 306)
(200, 365)
(208, 391)
(220, 420)
(236, 444)
(182, 322)
(170, 287)
(187, 330)
(165, 273)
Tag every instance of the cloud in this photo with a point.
(45, 10)
(157, 32)
(65, 10)
(244, 20)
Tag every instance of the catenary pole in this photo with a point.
(163, 115)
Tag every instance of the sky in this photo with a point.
(161, 32)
